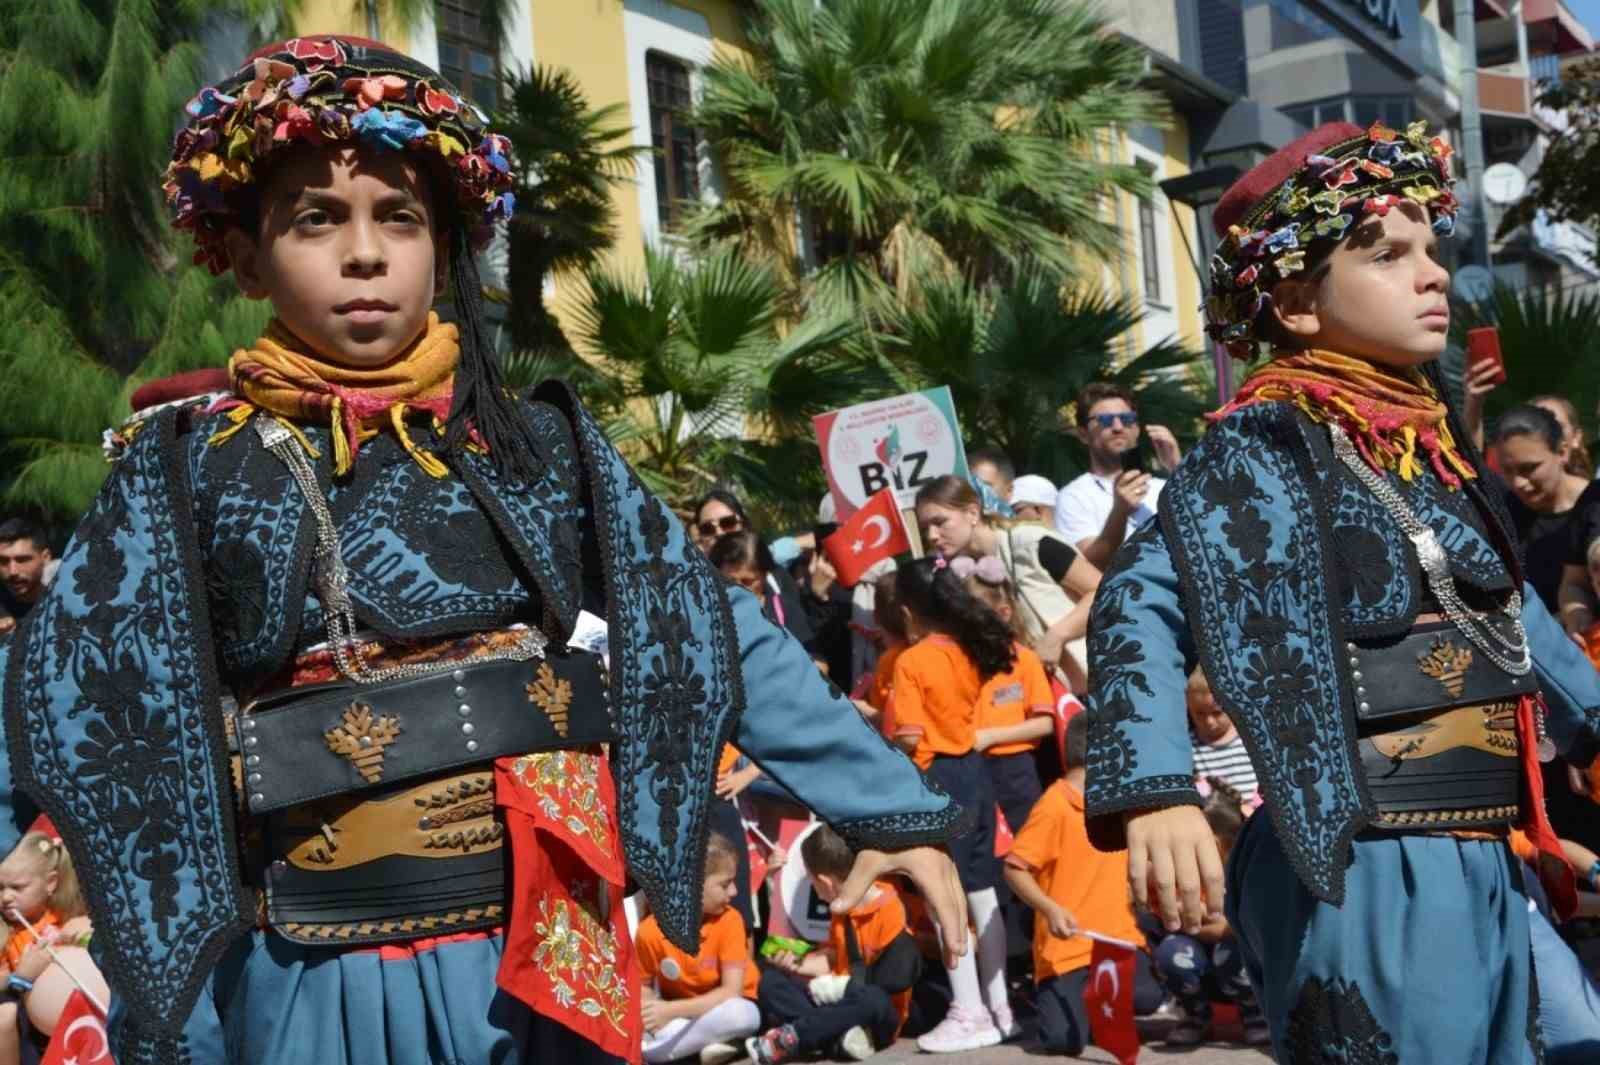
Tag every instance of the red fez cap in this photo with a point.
(45, 827)
(179, 386)
(1275, 170)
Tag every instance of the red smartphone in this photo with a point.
(1483, 345)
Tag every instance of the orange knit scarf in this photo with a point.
(281, 376)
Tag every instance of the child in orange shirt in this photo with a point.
(1072, 887)
(891, 624)
(853, 995)
(957, 645)
(1016, 709)
(701, 1005)
(39, 886)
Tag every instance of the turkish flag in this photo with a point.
(1108, 996)
(80, 1036)
(1067, 706)
(873, 533)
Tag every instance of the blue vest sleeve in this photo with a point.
(1140, 653)
(17, 811)
(1569, 681)
(808, 737)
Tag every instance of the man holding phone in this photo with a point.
(1100, 508)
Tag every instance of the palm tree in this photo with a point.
(703, 386)
(91, 286)
(901, 133)
(1015, 358)
(569, 159)
(1551, 344)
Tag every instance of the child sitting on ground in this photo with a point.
(853, 995)
(1206, 967)
(701, 1005)
(1072, 887)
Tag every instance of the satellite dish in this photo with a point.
(1473, 283)
(1504, 184)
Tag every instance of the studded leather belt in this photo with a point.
(312, 742)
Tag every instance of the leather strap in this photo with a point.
(1430, 668)
(309, 743)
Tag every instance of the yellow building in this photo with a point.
(647, 53)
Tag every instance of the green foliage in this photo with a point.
(570, 158)
(696, 380)
(907, 132)
(91, 288)
(1567, 183)
(1551, 346)
(1016, 357)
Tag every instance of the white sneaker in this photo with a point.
(856, 1044)
(720, 1053)
(1005, 1023)
(960, 1031)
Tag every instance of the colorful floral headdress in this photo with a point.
(327, 90)
(1315, 189)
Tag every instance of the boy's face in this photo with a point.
(1382, 295)
(345, 252)
(826, 887)
(1211, 724)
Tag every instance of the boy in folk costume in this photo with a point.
(1328, 555)
(382, 555)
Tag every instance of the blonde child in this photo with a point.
(957, 646)
(39, 888)
(703, 1004)
(853, 995)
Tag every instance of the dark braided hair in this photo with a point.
(935, 595)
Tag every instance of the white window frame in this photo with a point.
(684, 35)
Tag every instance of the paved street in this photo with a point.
(1026, 1051)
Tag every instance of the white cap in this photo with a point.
(827, 510)
(1031, 488)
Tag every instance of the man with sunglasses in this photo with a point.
(1100, 508)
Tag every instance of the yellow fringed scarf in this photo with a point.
(1388, 414)
(278, 375)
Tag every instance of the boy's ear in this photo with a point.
(245, 256)
(1294, 304)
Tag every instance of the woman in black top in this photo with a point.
(1553, 510)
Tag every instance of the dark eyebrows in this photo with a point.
(399, 198)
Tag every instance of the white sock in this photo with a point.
(986, 918)
(964, 982)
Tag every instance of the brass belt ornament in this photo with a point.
(1447, 664)
(361, 738)
(552, 696)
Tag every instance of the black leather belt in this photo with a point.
(1432, 667)
(312, 742)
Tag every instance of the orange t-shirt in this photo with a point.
(1008, 698)
(676, 975)
(21, 939)
(1090, 884)
(877, 922)
(881, 693)
(1591, 643)
(936, 698)
(730, 755)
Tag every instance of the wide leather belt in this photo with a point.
(404, 862)
(1432, 667)
(1446, 769)
(311, 742)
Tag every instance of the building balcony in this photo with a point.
(1553, 29)
(1504, 92)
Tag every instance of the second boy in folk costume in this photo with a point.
(384, 555)
(1330, 558)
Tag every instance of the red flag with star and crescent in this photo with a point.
(873, 533)
(80, 1036)
(1109, 1000)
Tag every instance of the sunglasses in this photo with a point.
(1126, 419)
(727, 523)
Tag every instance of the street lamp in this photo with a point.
(1199, 190)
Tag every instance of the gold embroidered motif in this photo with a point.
(567, 785)
(1447, 664)
(552, 695)
(362, 739)
(578, 955)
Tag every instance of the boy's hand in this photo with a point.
(777, 860)
(935, 876)
(1061, 923)
(34, 961)
(730, 784)
(654, 1012)
(1174, 850)
(786, 961)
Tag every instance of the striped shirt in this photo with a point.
(1229, 762)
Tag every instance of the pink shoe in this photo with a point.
(960, 1031)
(1005, 1023)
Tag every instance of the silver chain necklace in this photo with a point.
(332, 580)
(1510, 654)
